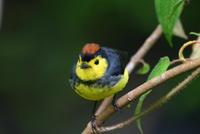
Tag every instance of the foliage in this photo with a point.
(194, 33)
(168, 12)
(160, 68)
(144, 69)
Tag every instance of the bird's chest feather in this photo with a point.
(103, 88)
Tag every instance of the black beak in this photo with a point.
(84, 66)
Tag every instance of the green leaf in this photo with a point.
(196, 34)
(144, 69)
(160, 68)
(168, 12)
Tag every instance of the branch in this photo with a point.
(133, 94)
(155, 105)
(164, 99)
(149, 42)
(196, 50)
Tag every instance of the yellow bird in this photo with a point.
(99, 72)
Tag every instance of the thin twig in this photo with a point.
(149, 42)
(135, 59)
(104, 104)
(196, 50)
(134, 93)
(189, 43)
(155, 105)
(162, 100)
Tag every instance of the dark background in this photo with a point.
(41, 39)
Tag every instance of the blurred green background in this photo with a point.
(41, 39)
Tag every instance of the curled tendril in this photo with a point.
(189, 43)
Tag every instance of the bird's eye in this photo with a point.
(96, 62)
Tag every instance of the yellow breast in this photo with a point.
(97, 92)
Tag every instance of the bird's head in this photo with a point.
(92, 63)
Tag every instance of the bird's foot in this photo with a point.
(94, 125)
(115, 105)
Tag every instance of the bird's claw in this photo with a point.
(93, 124)
(115, 105)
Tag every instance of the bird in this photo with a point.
(99, 72)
